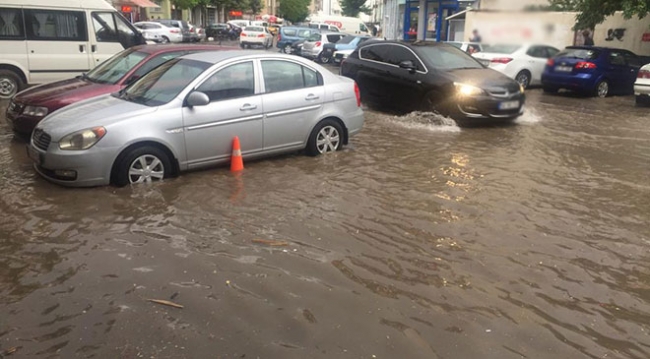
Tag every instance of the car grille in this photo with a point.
(41, 139)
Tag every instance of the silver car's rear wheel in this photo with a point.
(326, 137)
(142, 165)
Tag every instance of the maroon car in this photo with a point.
(30, 106)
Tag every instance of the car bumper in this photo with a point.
(21, 123)
(252, 40)
(310, 53)
(642, 89)
(489, 107)
(91, 167)
(580, 82)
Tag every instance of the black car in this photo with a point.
(222, 32)
(430, 76)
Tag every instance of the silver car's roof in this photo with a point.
(214, 57)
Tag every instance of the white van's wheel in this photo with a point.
(10, 84)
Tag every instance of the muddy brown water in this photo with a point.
(420, 240)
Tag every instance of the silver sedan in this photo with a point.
(185, 113)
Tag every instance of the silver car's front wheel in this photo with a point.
(327, 136)
(144, 164)
(146, 168)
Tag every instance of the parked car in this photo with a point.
(341, 55)
(524, 63)
(642, 86)
(349, 25)
(289, 34)
(433, 76)
(313, 47)
(347, 42)
(182, 25)
(159, 33)
(218, 31)
(255, 36)
(30, 106)
(197, 33)
(468, 47)
(324, 27)
(599, 71)
(33, 53)
(184, 114)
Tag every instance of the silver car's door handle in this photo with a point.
(247, 107)
(311, 96)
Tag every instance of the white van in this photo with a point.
(240, 23)
(349, 25)
(45, 40)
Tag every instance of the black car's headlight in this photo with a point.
(36, 111)
(465, 90)
(82, 140)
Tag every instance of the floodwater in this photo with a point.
(420, 240)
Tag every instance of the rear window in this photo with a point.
(254, 28)
(501, 49)
(347, 39)
(583, 54)
(333, 38)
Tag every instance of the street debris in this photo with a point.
(166, 302)
(8, 352)
(271, 242)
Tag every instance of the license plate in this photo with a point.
(34, 154)
(509, 105)
(563, 68)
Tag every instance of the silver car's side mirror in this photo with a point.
(197, 98)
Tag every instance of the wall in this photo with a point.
(550, 28)
(555, 29)
(510, 5)
(163, 12)
(615, 31)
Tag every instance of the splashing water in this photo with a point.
(430, 121)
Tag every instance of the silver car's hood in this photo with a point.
(98, 111)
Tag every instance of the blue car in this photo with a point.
(349, 42)
(288, 35)
(597, 71)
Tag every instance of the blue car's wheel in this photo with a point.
(602, 89)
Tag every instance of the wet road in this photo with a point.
(420, 240)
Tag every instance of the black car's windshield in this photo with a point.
(582, 54)
(500, 48)
(113, 69)
(448, 58)
(164, 82)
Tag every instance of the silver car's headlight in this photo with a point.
(36, 111)
(82, 140)
(465, 90)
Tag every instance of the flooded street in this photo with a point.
(419, 240)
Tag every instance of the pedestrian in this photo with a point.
(475, 37)
(374, 30)
(588, 40)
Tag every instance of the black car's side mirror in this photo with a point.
(408, 65)
(197, 98)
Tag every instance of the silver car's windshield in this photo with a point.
(113, 69)
(164, 82)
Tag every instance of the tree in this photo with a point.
(593, 12)
(255, 6)
(354, 7)
(294, 10)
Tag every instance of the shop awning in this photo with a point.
(140, 3)
(462, 13)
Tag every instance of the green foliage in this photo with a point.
(593, 12)
(354, 7)
(294, 10)
(255, 6)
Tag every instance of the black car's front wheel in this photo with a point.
(523, 77)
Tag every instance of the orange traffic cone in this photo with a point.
(236, 161)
